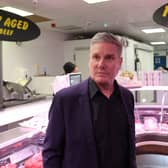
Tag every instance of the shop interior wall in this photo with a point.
(77, 51)
(162, 53)
(49, 52)
(32, 57)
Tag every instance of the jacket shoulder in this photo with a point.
(77, 89)
(125, 90)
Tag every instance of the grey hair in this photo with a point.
(107, 37)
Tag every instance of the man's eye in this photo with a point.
(96, 57)
(110, 57)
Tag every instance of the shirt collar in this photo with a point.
(93, 89)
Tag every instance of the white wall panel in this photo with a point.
(46, 51)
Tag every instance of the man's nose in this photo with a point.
(101, 62)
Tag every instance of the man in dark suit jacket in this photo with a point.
(91, 125)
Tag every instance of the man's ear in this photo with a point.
(121, 60)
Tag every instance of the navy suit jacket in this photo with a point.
(69, 141)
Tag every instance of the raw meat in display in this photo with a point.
(34, 162)
(9, 166)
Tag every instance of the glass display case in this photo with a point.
(19, 145)
(21, 140)
(151, 119)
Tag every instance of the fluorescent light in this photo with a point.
(16, 11)
(94, 1)
(158, 43)
(155, 30)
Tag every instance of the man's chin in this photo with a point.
(100, 80)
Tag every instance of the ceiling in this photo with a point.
(124, 17)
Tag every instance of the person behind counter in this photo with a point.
(70, 67)
(91, 124)
(63, 81)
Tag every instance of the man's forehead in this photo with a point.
(104, 47)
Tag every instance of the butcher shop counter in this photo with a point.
(18, 145)
(22, 133)
(151, 119)
(11, 116)
(151, 144)
(151, 123)
(152, 141)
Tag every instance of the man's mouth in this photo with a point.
(101, 73)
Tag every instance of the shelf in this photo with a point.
(150, 106)
(15, 135)
(158, 88)
(17, 113)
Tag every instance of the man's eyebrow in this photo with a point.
(95, 54)
(109, 55)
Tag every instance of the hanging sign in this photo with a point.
(161, 15)
(17, 28)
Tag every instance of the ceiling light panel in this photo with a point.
(16, 11)
(156, 30)
(94, 1)
(158, 43)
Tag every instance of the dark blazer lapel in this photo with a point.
(131, 126)
(123, 98)
(86, 118)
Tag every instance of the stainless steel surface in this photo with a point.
(151, 106)
(14, 135)
(23, 101)
(16, 94)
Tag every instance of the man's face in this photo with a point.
(104, 62)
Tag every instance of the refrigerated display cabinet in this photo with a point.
(151, 119)
(18, 145)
